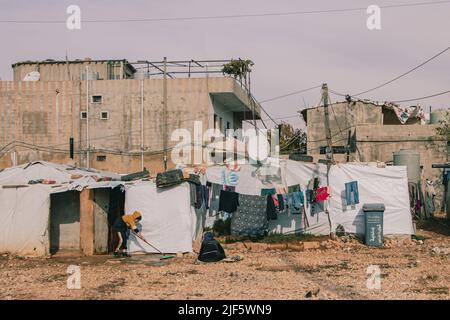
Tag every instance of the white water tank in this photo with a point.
(410, 159)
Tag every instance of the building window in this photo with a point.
(83, 115)
(97, 99)
(220, 124)
(104, 115)
(101, 158)
(228, 125)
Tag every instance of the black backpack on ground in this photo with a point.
(211, 250)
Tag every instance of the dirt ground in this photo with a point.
(317, 269)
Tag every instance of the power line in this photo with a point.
(404, 100)
(403, 74)
(423, 98)
(237, 16)
(289, 94)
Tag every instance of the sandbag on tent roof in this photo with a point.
(167, 220)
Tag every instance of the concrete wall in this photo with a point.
(58, 71)
(38, 118)
(378, 135)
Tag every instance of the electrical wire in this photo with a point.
(290, 94)
(403, 74)
(221, 17)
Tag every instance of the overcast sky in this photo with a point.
(290, 52)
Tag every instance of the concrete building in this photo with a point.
(39, 118)
(60, 70)
(378, 133)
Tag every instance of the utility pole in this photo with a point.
(142, 124)
(165, 112)
(329, 151)
(88, 142)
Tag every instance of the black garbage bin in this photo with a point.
(373, 221)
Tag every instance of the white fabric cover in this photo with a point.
(58, 172)
(24, 213)
(24, 218)
(167, 220)
(375, 185)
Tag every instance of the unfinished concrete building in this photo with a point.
(61, 70)
(112, 124)
(374, 132)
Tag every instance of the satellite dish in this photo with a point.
(32, 76)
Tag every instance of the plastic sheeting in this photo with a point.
(372, 182)
(167, 220)
(60, 173)
(375, 185)
(24, 218)
(25, 211)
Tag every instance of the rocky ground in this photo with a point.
(318, 268)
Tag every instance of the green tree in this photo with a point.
(443, 131)
(291, 139)
(238, 69)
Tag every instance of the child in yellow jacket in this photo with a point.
(122, 226)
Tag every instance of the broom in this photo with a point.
(164, 257)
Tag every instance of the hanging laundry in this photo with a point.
(192, 193)
(322, 194)
(351, 193)
(281, 203)
(229, 188)
(268, 192)
(310, 196)
(275, 200)
(294, 188)
(250, 219)
(215, 196)
(271, 211)
(228, 201)
(295, 202)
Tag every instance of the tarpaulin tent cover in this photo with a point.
(24, 220)
(167, 220)
(372, 182)
(24, 217)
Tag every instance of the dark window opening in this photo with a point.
(336, 150)
(101, 158)
(104, 115)
(83, 114)
(97, 99)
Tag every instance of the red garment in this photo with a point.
(275, 200)
(322, 194)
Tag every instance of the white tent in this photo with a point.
(24, 218)
(168, 222)
(372, 182)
